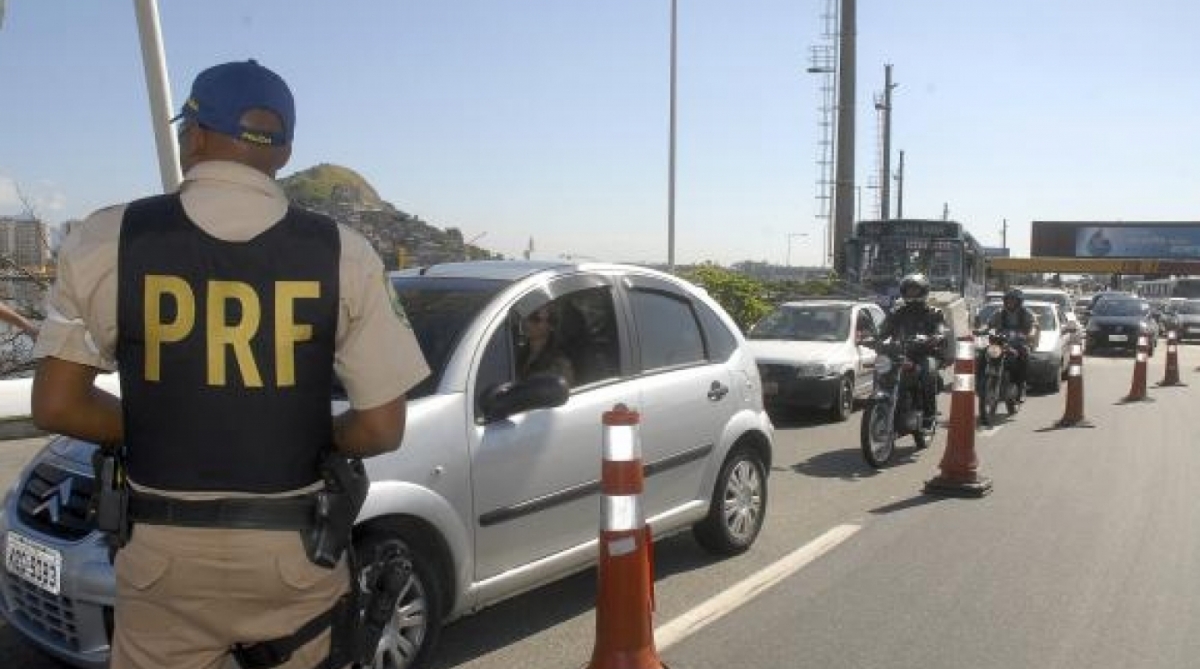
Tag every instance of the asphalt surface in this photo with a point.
(1084, 555)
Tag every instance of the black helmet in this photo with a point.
(914, 288)
(1015, 294)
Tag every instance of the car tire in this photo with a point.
(843, 401)
(738, 506)
(412, 635)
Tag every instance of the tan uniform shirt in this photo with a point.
(377, 357)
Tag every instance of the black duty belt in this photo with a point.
(288, 513)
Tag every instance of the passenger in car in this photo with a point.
(540, 352)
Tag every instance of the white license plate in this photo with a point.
(33, 562)
(1118, 338)
(770, 387)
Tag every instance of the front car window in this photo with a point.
(884, 262)
(804, 323)
(1121, 308)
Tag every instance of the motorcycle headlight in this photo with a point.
(994, 351)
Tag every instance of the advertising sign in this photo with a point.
(1116, 240)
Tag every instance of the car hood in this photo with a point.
(783, 352)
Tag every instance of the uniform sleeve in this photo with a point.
(377, 357)
(80, 323)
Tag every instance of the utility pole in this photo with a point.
(886, 162)
(1004, 234)
(843, 204)
(945, 211)
(900, 187)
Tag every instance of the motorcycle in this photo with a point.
(995, 353)
(895, 407)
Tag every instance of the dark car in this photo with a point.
(1118, 322)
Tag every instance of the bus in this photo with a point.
(1163, 289)
(882, 252)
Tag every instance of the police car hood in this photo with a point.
(784, 352)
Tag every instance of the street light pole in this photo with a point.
(787, 263)
(671, 155)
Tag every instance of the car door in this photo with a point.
(536, 474)
(865, 331)
(685, 393)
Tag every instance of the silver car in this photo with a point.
(496, 489)
(1049, 359)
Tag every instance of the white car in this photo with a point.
(811, 354)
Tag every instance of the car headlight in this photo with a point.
(817, 369)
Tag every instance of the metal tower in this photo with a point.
(823, 62)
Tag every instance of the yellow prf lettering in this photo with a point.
(287, 331)
(236, 336)
(158, 332)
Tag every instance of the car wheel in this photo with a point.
(843, 402)
(738, 506)
(411, 635)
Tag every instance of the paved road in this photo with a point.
(1084, 546)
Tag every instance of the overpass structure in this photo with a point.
(1067, 265)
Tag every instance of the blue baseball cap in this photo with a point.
(223, 93)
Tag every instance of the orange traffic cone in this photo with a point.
(1137, 390)
(624, 633)
(1073, 416)
(959, 475)
(1171, 378)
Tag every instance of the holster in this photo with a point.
(337, 506)
(110, 502)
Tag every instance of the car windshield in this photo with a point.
(1057, 298)
(1045, 316)
(1121, 308)
(804, 323)
(439, 310)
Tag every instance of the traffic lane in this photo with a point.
(819, 480)
(1083, 555)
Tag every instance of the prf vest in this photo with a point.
(225, 350)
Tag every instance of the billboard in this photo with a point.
(1093, 239)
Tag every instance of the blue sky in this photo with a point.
(548, 118)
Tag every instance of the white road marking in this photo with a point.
(740, 593)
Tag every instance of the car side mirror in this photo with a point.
(539, 391)
(865, 339)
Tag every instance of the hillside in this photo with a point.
(402, 239)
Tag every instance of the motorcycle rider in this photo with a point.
(1016, 317)
(915, 317)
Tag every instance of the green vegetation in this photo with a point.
(747, 299)
(744, 298)
(329, 182)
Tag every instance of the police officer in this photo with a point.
(228, 313)
(1016, 317)
(915, 317)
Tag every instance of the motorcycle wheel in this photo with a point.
(923, 439)
(991, 399)
(878, 438)
(1010, 397)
